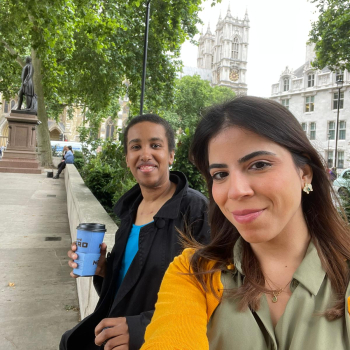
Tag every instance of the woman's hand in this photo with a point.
(113, 333)
(101, 266)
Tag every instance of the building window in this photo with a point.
(13, 103)
(110, 129)
(6, 107)
(286, 84)
(235, 48)
(339, 76)
(285, 103)
(311, 80)
(309, 104)
(304, 126)
(341, 100)
(330, 159)
(340, 159)
(313, 131)
(342, 130)
(331, 131)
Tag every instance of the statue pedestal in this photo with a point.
(20, 155)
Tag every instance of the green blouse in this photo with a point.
(299, 328)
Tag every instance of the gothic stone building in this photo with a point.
(222, 57)
(312, 96)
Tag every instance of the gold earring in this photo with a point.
(307, 188)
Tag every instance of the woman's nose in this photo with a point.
(239, 187)
(146, 154)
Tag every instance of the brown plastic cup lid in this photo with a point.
(92, 227)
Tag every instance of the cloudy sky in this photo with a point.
(278, 33)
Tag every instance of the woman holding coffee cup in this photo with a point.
(147, 240)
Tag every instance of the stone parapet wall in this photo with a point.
(84, 207)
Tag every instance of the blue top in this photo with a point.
(69, 157)
(132, 247)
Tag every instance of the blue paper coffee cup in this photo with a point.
(89, 240)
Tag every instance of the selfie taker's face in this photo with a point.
(255, 184)
(148, 154)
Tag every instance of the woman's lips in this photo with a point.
(146, 168)
(246, 216)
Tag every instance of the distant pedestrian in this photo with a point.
(68, 159)
(332, 174)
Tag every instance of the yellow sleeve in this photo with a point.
(181, 314)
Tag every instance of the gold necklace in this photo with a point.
(276, 292)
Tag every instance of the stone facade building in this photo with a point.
(222, 56)
(312, 96)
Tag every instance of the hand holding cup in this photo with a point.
(88, 253)
(101, 266)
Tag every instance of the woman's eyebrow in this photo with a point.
(217, 166)
(255, 154)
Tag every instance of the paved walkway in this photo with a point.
(38, 298)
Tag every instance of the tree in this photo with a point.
(83, 49)
(192, 96)
(24, 28)
(330, 33)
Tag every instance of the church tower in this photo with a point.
(225, 53)
(205, 50)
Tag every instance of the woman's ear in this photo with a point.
(171, 157)
(306, 175)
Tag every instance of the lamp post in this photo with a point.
(145, 56)
(329, 136)
(339, 85)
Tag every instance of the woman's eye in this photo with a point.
(219, 176)
(156, 145)
(260, 165)
(134, 147)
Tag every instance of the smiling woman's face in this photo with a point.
(148, 155)
(256, 184)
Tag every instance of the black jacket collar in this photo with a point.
(130, 201)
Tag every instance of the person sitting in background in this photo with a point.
(68, 158)
(276, 272)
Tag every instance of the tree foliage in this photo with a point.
(192, 96)
(331, 34)
(87, 48)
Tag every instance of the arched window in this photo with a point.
(285, 84)
(13, 103)
(235, 49)
(110, 129)
(6, 107)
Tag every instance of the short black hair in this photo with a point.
(70, 148)
(152, 118)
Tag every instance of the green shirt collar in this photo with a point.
(310, 273)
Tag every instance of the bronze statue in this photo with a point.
(27, 88)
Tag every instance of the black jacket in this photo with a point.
(158, 245)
